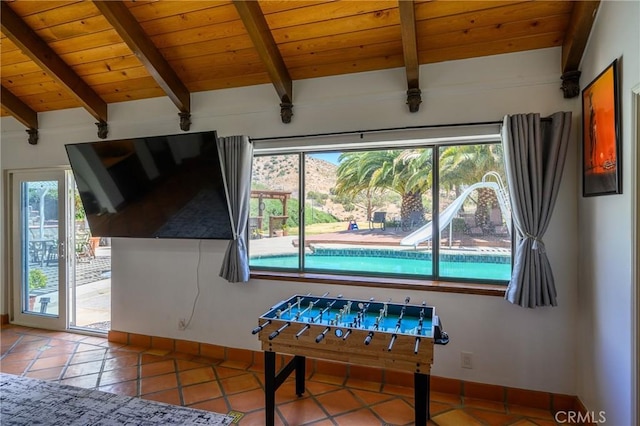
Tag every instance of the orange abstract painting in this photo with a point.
(600, 126)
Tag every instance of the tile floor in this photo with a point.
(232, 386)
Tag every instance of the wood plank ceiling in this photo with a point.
(66, 54)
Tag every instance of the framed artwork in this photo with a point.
(601, 145)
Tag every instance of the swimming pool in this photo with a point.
(471, 267)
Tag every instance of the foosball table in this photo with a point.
(396, 336)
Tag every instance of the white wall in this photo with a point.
(154, 282)
(605, 237)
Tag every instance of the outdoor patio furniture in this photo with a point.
(415, 220)
(379, 218)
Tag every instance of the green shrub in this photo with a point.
(37, 279)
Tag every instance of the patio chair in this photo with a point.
(379, 218)
(414, 220)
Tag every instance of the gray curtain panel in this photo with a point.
(236, 156)
(535, 151)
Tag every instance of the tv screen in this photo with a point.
(154, 187)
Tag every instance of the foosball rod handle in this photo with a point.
(393, 340)
(367, 339)
(346, 334)
(278, 331)
(305, 328)
(321, 335)
(415, 349)
(260, 327)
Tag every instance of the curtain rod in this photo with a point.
(388, 129)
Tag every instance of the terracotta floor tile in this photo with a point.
(247, 401)
(447, 398)
(438, 407)
(82, 369)
(201, 392)
(126, 360)
(371, 398)
(17, 367)
(20, 356)
(218, 405)
(530, 412)
(455, 418)
(157, 368)
(240, 365)
(184, 365)
(94, 355)
(88, 381)
(257, 419)
(158, 383)
(223, 372)
(332, 380)
(301, 411)
(339, 402)
(363, 384)
(94, 340)
(49, 351)
(84, 347)
(395, 411)
(198, 375)
(358, 418)
(287, 392)
(46, 374)
(237, 384)
(325, 422)
(122, 388)
(398, 390)
(120, 375)
(318, 388)
(171, 396)
(485, 404)
(158, 352)
(492, 418)
(54, 361)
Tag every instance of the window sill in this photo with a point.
(442, 286)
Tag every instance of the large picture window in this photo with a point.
(377, 212)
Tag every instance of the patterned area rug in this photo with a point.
(30, 402)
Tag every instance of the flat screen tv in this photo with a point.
(153, 187)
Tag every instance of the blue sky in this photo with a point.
(331, 157)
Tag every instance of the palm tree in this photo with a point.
(406, 172)
(464, 164)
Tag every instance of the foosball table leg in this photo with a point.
(270, 387)
(300, 373)
(421, 394)
(273, 380)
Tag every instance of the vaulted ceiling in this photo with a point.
(65, 54)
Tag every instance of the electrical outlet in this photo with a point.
(466, 360)
(182, 324)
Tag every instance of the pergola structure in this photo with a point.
(275, 222)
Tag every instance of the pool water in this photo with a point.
(388, 265)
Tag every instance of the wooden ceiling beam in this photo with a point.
(260, 34)
(575, 41)
(134, 36)
(410, 52)
(39, 52)
(22, 112)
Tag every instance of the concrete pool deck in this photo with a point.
(375, 238)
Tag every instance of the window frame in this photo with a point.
(443, 137)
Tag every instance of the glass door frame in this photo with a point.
(17, 251)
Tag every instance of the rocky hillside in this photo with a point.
(280, 173)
